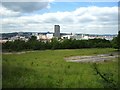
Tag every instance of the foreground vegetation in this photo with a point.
(48, 69)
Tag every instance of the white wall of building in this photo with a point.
(49, 36)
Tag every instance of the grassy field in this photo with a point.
(48, 69)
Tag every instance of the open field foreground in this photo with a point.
(49, 69)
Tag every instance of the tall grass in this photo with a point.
(48, 69)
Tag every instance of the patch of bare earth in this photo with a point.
(93, 58)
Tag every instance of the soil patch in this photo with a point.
(93, 58)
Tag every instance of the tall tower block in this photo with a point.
(57, 31)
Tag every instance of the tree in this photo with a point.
(18, 45)
(33, 43)
(33, 38)
(55, 43)
(66, 44)
(114, 43)
(118, 40)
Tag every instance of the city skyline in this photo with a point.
(75, 17)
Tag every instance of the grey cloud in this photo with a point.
(25, 6)
(87, 20)
(51, 20)
(68, 20)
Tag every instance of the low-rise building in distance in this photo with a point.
(47, 36)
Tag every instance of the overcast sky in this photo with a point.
(75, 17)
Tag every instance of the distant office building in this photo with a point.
(57, 31)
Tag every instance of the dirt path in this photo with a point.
(22, 52)
(95, 58)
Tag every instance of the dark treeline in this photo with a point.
(34, 44)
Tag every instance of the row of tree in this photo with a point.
(34, 44)
(116, 42)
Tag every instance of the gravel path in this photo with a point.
(95, 58)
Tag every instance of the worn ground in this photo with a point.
(93, 58)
